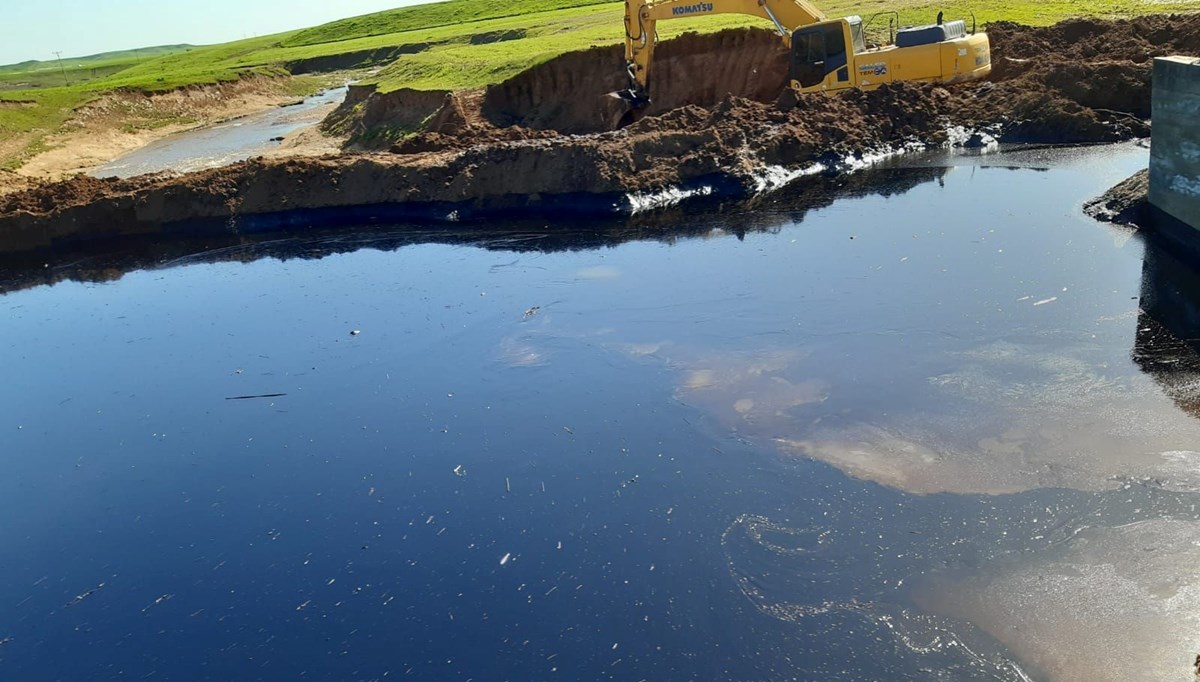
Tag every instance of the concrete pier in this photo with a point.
(1175, 146)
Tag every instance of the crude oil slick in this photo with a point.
(915, 432)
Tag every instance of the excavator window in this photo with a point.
(856, 34)
(817, 52)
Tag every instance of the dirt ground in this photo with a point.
(525, 145)
(121, 122)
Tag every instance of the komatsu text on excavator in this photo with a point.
(825, 55)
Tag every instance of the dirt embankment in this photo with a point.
(359, 59)
(471, 161)
(370, 118)
(567, 94)
(725, 148)
(1126, 204)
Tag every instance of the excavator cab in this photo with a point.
(833, 55)
(821, 51)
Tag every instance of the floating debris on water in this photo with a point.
(159, 600)
(79, 598)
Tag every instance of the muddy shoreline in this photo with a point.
(510, 151)
(110, 260)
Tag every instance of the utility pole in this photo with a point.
(62, 68)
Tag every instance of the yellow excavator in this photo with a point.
(825, 55)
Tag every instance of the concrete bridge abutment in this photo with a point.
(1175, 147)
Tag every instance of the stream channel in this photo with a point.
(925, 428)
(224, 143)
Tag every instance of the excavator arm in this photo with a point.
(642, 17)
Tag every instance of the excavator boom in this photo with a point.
(642, 17)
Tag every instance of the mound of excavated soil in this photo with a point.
(498, 150)
(568, 94)
(1016, 47)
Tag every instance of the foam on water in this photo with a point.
(1120, 604)
(771, 563)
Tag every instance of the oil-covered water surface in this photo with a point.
(944, 430)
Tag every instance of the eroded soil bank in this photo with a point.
(544, 143)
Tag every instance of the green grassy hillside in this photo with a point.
(453, 13)
(78, 70)
(444, 45)
(72, 62)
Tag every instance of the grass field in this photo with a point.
(454, 44)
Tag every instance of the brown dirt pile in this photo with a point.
(568, 93)
(1018, 48)
(1104, 66)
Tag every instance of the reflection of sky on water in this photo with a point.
(1049, 401)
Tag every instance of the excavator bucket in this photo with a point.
(632, 98)
(623, 107)
(619, 109)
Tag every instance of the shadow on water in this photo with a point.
(769, 213)
(1167, 345)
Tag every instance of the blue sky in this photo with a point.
(34, 29)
